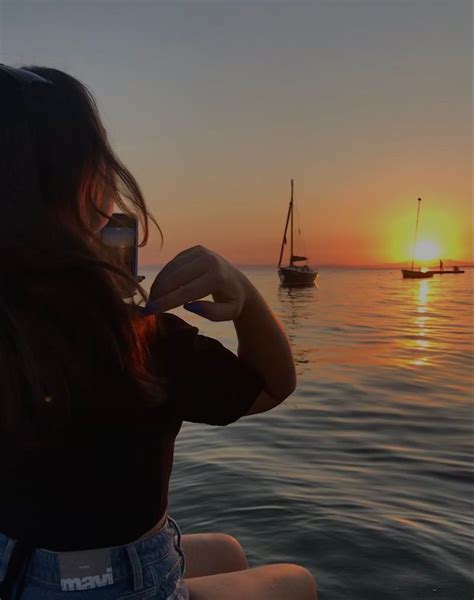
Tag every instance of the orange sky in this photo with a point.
(366, 220)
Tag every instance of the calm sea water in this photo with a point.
(364, 475)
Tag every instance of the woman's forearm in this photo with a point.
(263, 344)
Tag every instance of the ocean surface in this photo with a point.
(364, 475)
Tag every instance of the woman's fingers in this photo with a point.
(181, 259)
(196, 273)
(168, 273)
(198, 288)
(176, 276)
(214, 311)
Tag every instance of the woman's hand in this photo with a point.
(195, 273)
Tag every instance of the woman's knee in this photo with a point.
(295, 581)
(230, 550)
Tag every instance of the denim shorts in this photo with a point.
(151, 568)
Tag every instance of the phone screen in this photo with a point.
(121, 233)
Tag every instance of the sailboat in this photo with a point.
(411, 273)
(294, 275)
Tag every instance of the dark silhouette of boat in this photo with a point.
(453, 271)
(412, 274)
(294, 275)
(421, 273)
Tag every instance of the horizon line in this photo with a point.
(384, 266)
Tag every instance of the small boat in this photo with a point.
(294, 275)
(421, 273)
(412, 274)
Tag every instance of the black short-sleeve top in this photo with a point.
(209, 383)
(108, 486)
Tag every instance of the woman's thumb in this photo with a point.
(214, 311)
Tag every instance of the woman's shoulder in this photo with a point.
(174, 332)
(170, 323)
(168, 332)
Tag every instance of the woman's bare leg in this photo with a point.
(280, 581)
(212, 553)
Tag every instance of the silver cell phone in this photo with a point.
(121, 234)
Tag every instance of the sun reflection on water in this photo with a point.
(420, 346)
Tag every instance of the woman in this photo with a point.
(94, 389)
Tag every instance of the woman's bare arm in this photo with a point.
(264, 346)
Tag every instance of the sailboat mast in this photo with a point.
(284, 234)
(416, 233)
(291, 233)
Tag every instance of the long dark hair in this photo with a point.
(63, 322)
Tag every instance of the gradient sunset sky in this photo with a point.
(214, 106)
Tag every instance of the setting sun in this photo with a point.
(442, 234)
(427, 250)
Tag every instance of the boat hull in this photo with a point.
(409, 274)
(296, 276)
